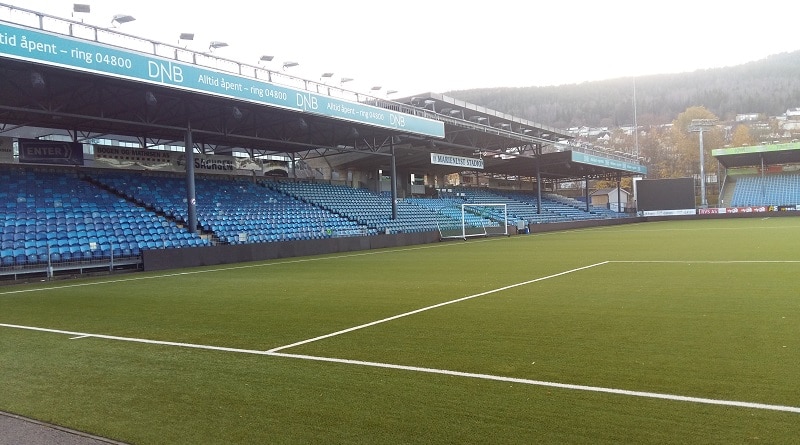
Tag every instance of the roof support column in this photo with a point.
(586, 191)
(394, 180)
(619, 194)
(538, 153)
(191, 201)
(763, 182)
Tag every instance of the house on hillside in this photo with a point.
(748, 117)
(615, 199)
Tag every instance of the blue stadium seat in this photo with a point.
(7, 257)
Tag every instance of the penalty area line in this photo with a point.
(427, 308)
(78, 337)
(445, 372)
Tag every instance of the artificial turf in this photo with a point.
(454, 342)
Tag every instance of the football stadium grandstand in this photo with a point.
(134, 158)
(761, 176)
(105, 163)
(120, 154)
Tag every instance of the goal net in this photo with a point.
(485, 219)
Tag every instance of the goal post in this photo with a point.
(484, 219)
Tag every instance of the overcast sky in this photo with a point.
(417, 46)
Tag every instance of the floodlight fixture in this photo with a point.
(326, 75)
(150, 98)
(186, 37)
(699, 126)
(289, 64)
(388, 92)
(237, 113)
(81, 8)
(37, 80)
(216, 45)
(376, 88)
(266, 58)
(345, 80)
(120, 19)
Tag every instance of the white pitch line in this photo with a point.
(624, 392)
(427, 308)
(708, 261)
(566, 386)
(134, 340)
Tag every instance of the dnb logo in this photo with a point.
(164, 73)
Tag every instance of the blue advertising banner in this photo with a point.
(609, 163)
(34, 151)
(53, 49)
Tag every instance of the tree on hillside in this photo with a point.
(742, 136)
(657, 153)
(686, 141)
(625, 183)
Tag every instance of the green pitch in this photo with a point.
(669, 332)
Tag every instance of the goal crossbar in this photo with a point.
(478, 219)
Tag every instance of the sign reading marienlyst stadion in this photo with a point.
(456, 161)
(44, 47)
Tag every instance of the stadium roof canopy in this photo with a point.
(755, 155)
(92, 83)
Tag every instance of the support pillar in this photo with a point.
(538, 179)
(191, 201)
(394, 181)
(586, 191)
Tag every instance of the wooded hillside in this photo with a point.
(769, 86)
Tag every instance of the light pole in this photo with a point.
(635, 124)
(699, 126)
(265, 59)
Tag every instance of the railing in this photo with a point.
(113, 37)
(50, 268)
